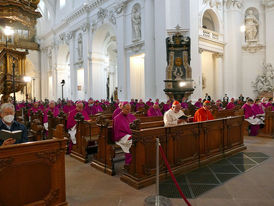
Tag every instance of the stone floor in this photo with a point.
(88, 187)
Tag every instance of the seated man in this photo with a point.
(251, 118)
(79, 109)
(55, 111)
(118, 110)
(149, 103)
(89, 106)
(171, 117)
(71, 123)
(35, 108)
(231, 104)
(7, 122)
(68, 107)
(140, 105)
(184, 103)
(199, 103)
(270, 104)
(96, 108)
(154, 111)
(122, 132)
(203, 114)
(167, 106)
(257, 108)
(219, 105)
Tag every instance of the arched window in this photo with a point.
(210, 21)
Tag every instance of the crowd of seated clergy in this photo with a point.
(170, 110)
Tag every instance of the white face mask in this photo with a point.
(8, 118)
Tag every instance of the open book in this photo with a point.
(184, 117)
(6, 134)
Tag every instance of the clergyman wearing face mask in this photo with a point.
(7, 122)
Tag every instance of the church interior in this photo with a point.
(136, 102)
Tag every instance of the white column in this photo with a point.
(123, 88)
(160, 48)
(44, 74)
(36, 90)
(149, 36)
(233, 54)
(218, 59)
(99, 72)
(73, 73)
(55, 85)
(269, 30)
(196, 54)
(178, 12)
(86, 52)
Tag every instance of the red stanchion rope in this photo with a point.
(172, 175)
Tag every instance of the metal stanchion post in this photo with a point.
(157, 172)
(157, 200)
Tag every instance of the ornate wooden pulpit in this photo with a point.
(178, 81)
(9, 57)
(22, 17)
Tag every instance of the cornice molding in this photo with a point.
(268, 3)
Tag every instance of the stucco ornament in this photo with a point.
(265, 81)
(234, 4)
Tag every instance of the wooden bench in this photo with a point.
(34, 173)
(87, 133)
(186, 147)
(107, 149)
(268, 129)
(36, 130)
(54, 121)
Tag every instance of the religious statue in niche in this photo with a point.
(251, 25)
(80, 47)
(136, 22)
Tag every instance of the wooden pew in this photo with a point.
(233, 135)
(54, 121)
(87, 132)
(186, 147)
(191, 109)
(37, 115)
(104, 159)
(34, 173)
(107, 149)
(268, 130)
(36, 130)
